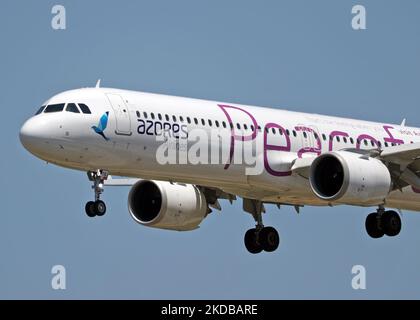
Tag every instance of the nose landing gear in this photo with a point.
(97, 207)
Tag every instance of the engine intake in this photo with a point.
(166, 205)
(350, 178)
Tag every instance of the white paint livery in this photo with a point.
(306, 159)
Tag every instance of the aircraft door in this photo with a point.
(310, 138)
(122, 114)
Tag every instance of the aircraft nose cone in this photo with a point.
(25, 134)
(32, 133)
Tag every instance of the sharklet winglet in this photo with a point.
(98, 83)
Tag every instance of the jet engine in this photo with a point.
(350, 178)
(167, 205)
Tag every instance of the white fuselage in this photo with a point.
(137, 122)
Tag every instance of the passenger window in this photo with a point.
(238, 126)
(386, 144)
(181, 119)
(166, 117)
(294, 133)
(288, 132)
(273, 130)
(195, 121)
(252, 127)
(71, 107)
(85, 109)
(259, 128)
(245, 127)
(304, 134)
(281, 131)
(40, 110)
(379, 144)
(351, 141)
(159, 116)
(152, 115)
(365, 142)
(210, 124)
(188, 119)
(324, 137)
(224, 124)
(145, 115)
(337, 138)
(174, 118)
(217, 123)
(54, 108)
(316, 135)
(345, 140)
(138, 114)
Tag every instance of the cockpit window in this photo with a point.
(54, 108)
(71, 107)
(84, 108)
(40, 110)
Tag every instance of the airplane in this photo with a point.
(298, 159)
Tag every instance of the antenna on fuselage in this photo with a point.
(98, 83)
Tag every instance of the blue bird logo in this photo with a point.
(103, 122)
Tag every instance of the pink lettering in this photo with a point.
(234, 137)
(268, 147)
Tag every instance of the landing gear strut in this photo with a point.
(382, 223)
(260, 238)
(97, 207)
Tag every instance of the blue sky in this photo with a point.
(298, 55)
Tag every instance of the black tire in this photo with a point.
(251, 243)
(90, 209)
(99, 207)
(391, 222)
(372, 228)
(269, 239)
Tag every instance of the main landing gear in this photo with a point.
(382, 223)
(97, 207)
(259, 238)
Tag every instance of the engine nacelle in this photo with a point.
(350, 178)
(166, 205)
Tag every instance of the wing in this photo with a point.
(120, 182)
(403, 154)
(404, 163)
(302, 166)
